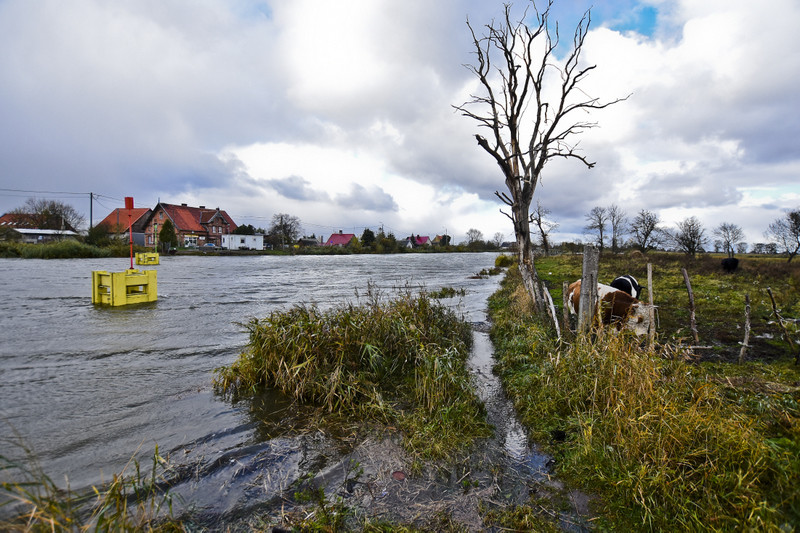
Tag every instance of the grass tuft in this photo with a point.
(130, 502)
(401, 361)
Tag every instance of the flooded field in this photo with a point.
(88, 387)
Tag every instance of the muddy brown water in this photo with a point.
(87, 388)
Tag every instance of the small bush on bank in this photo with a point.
(504, 261)
(664, 442)
(402, 361)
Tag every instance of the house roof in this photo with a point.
(118, 219)
(191, 219)
(17, 220)
(418, 240)
(33, 231)
(340, 239)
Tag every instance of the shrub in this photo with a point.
(504, 261)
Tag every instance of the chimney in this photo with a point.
(340, 232)
(184, 205)
(202, 207)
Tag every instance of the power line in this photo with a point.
(47, 192)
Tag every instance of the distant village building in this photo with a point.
(194, 226)
(24, 227)
(340, 239)
(117, 223)
(416, 241)
(234, 241)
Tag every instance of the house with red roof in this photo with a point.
(340, 239)
(195, 226)
(118, 221)
(415, 241)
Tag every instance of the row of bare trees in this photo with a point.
(646, 232)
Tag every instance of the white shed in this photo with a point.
(243, 242)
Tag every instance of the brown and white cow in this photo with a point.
(617, 307)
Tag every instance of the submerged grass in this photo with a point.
(130, 502)
(664, 442)
(401, 361)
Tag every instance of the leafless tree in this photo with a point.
(618, 220)
(645, 231)
(497, 240)
(50, 214)
(597, 219)
(284, 229)
(474, 235)
(729, 235)
(690, 236)
(785, 232)
(533, 107)
(543, 225)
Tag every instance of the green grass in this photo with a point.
(664, 442)
(128, 503)
(401, 361)
(719, 297)
(65, 249)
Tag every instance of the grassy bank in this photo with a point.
(400, 362)
(664, 443)
(65, 249)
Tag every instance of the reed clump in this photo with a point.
(665, 443)
(401, 361)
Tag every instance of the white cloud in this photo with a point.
(307, 107)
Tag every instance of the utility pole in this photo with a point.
(91, 197)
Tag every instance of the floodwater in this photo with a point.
(89, 387)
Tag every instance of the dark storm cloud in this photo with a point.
(297, 188)
(372, 199)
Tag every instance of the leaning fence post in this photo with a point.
(565, 310)
(693, 322)
(651, 314)
(783, 327)
(746, 328)
(591, 258)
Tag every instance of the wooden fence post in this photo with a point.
(651, 333)
(591, 260)
(693, 322)
(565, 310)
(746, 328)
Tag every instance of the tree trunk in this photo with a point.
(527, 269)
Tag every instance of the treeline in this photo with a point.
(610, 228)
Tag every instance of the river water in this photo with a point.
(86, 386)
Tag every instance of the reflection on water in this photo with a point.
(87, 386)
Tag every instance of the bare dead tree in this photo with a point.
(50, 214)
(527, 128)
(690, 236)
(785, 232)
(730, 235)
(543, 225)
(645, 230)
(618, 221)
(596, 220)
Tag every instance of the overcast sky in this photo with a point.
(340, 112)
